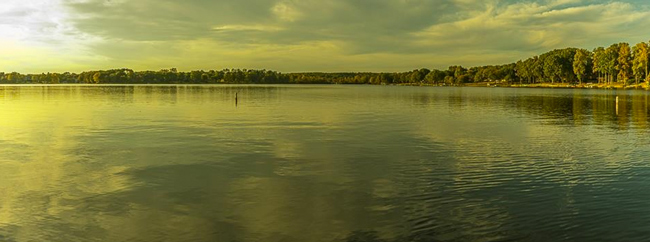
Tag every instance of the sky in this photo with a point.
(304, 35)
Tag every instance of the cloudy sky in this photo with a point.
(304, 35)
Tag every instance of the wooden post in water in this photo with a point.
(235, 99)
(616, 105)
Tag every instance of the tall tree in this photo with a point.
(610, 59)
(624, 62)
(599, 62)
(640, 61)
(537, 68)
(580, 64)
(522, 71)
(552, 67)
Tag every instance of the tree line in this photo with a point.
(618, 63)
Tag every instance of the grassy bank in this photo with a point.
(617, 85)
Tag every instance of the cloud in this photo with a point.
(149, 20)
(532, 28)
(358, 22)
(36, 36)
(286, 12)
(314, 35)
(246, 27)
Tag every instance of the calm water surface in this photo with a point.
(323, 163)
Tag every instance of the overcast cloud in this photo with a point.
(304, 35)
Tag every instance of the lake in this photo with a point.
(323, 163)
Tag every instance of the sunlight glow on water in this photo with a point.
(322, 163)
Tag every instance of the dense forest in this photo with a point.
(618, 63)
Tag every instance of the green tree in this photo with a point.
(580, 64)
(435, 76)
(97, 77)
(552, 69)
(54, 78)
(522, 70)
(416, 76)
(624, 62)
(536, 68)
(14, 77)
(640, 61)
(611, 62)
(457, 71)
(449, 80)
(599, 62)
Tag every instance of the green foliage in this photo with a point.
(611, 61)
(624, 62)
(599, 64)
(617, 62)
(435, 77)
(640, 61)
(581, 62)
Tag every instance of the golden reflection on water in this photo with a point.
(61, 154)
(303, 163)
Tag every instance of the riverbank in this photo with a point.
(562, 85)
(643, 86)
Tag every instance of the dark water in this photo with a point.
(323, 163)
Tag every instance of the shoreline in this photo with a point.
(640, 86)
(578, 86)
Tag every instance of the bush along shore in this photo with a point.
(617, 66)
(614, 85)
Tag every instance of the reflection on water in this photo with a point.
(322, 163)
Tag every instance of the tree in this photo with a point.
(640, 61)
(522, 70)
(566, 59)
(624, 62)
(53, 78)
(507, 73)
(599, 62)
(457, 71)
(416, 76)
(580, 63)
(618, 61)
(435, 76)
(536, 68)
(14, 77)
(97, 77)
(449, 80)
(610, 60)
(552, 67)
